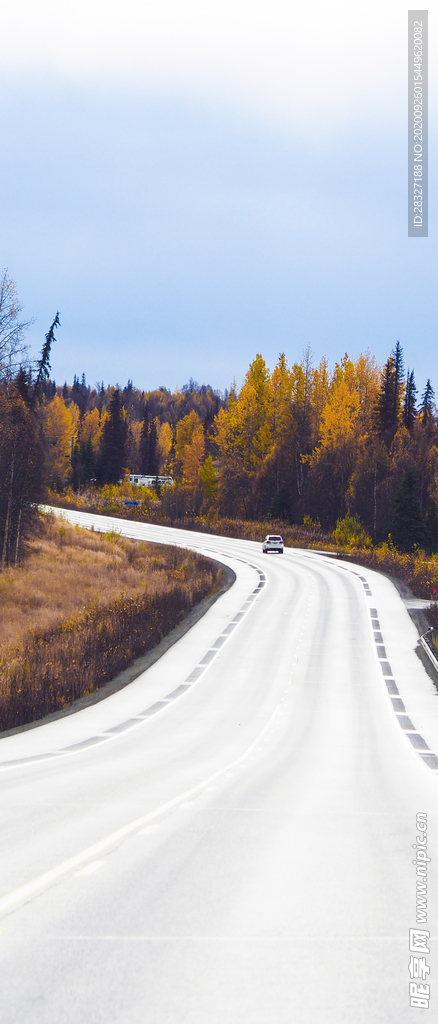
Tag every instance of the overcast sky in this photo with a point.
(190, 182)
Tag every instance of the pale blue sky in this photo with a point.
(190, 183)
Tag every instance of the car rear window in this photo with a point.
(275, 538)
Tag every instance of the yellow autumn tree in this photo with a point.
(310, 387)
(244, 439)
(345, 434)
(339, 416)
(61, 428)
(189, 451)
(91, 427)
(164, 443)
(280, 406)
(209, 482)
(274, 474)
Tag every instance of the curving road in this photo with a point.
(229, 838)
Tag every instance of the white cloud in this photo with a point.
(281, 58)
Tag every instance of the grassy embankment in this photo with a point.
(419, 570)
(82, 607)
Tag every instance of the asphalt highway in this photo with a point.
(230, 837)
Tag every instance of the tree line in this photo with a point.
(94, 435)
(305, 443)
(300, 443)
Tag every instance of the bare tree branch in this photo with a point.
(12, 329)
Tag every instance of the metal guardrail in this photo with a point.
(429, 647)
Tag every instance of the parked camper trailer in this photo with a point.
(139, 480)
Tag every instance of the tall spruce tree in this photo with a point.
(144, 441)
(113, 444)
(427, 404)
(397, 354)
(408, 529)
(385, 404)
(153, 449)
(43, 365)
(409, 404)
(148, 444)
(388, 412)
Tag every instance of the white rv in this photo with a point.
(149, 481)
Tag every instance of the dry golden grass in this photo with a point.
(84, 606)
(69, 569)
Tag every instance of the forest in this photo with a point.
(302, 443)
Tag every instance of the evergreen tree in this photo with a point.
(385, 404)
(389, 401)
(397, 355)
(148, 445)
(43, 365)
(21, 468)
(82, 461)
(408, 527)
(88, 458)
(23, 385)
(280, 506)
(427, 404)
(144, 442)
(153, 449)
(76, 464)
(113, 444)
(409, 407)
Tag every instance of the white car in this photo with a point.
(273, 543)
